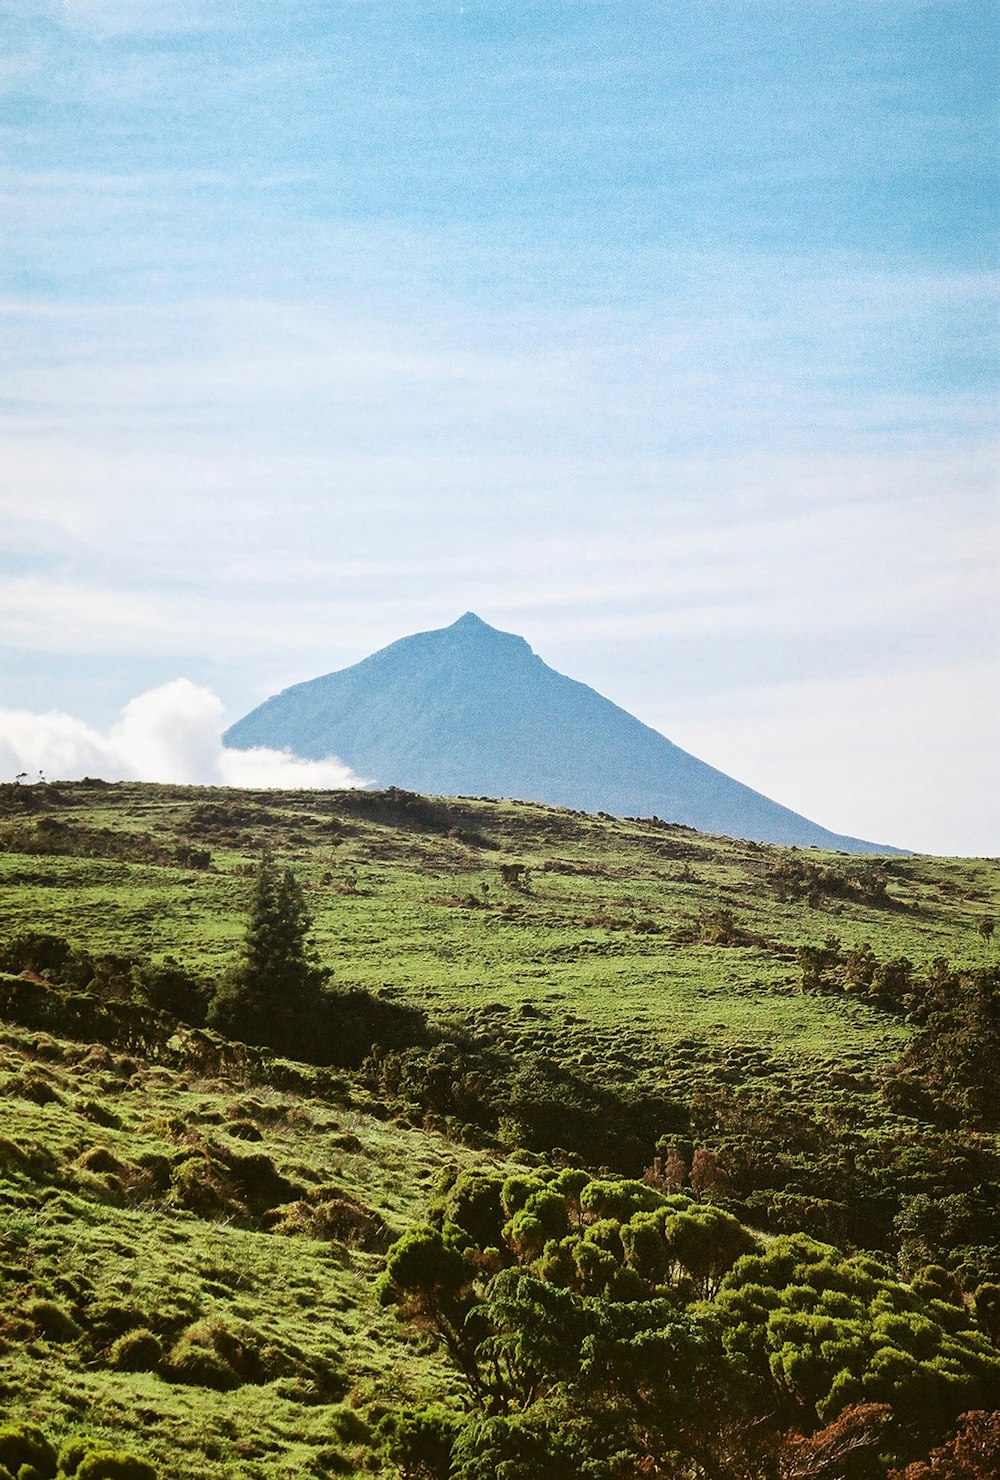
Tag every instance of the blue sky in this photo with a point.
(662, 334)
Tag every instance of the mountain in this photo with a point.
(469, 711)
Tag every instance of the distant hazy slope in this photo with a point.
(469, 711)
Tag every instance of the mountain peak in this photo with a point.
(472, 626)
(469, 710)
(473, 634)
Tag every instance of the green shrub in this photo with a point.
(136, 1351)
(933, 1282)
(99, 1114)
(606, 1199)
(114, 1464)
(99, 1159)
(53, 1321)
(420, 1440)
(200, 1366)
(244, 1130)
(73, 1451)
(215, 1355)
(202, 1185)
(25, 1444)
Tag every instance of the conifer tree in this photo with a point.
(273, 996)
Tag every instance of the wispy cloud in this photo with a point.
(134, 17)
(170, 734)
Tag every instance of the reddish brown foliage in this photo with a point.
(973, 1454)
(846, 1449)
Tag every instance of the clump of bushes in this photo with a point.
(716, 927)
(32, 1086)
(53, 1321)
(163, 986)
(339, 1218)
(796, 878)
(208, 1354)
(419, 1439)
(90, 1459)
(136, 1351)
(244, 1130)
(26, 1454)
(24, 1445)
(51, 836)
(555, 1293)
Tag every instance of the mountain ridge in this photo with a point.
(471, 710)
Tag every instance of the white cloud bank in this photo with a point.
(172, 733)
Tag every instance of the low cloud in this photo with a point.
(172, 733)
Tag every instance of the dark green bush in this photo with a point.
(420, 1440)
(244, 1130)
(520, 1447)
(199, 1366)
(215, 1355)
(25, 1444)
(202, 1185)
(99, 1114)
(136, 1351)
(53, 1321)
(114, 1464)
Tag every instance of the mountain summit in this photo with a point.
(468, 711)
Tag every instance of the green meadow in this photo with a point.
(406, 907)
(192, 1233)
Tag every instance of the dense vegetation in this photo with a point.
(371, 1133)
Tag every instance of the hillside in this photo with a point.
(468, 710)
(217, 1259)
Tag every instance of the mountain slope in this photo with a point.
(468, 710)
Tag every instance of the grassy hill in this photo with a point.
(192, 1229)
(233, 1228)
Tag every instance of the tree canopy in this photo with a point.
(273, 995)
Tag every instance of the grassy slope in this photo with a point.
(593, 950)
(591, 965)
(68, 1236)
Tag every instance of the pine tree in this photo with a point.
(274, 995)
